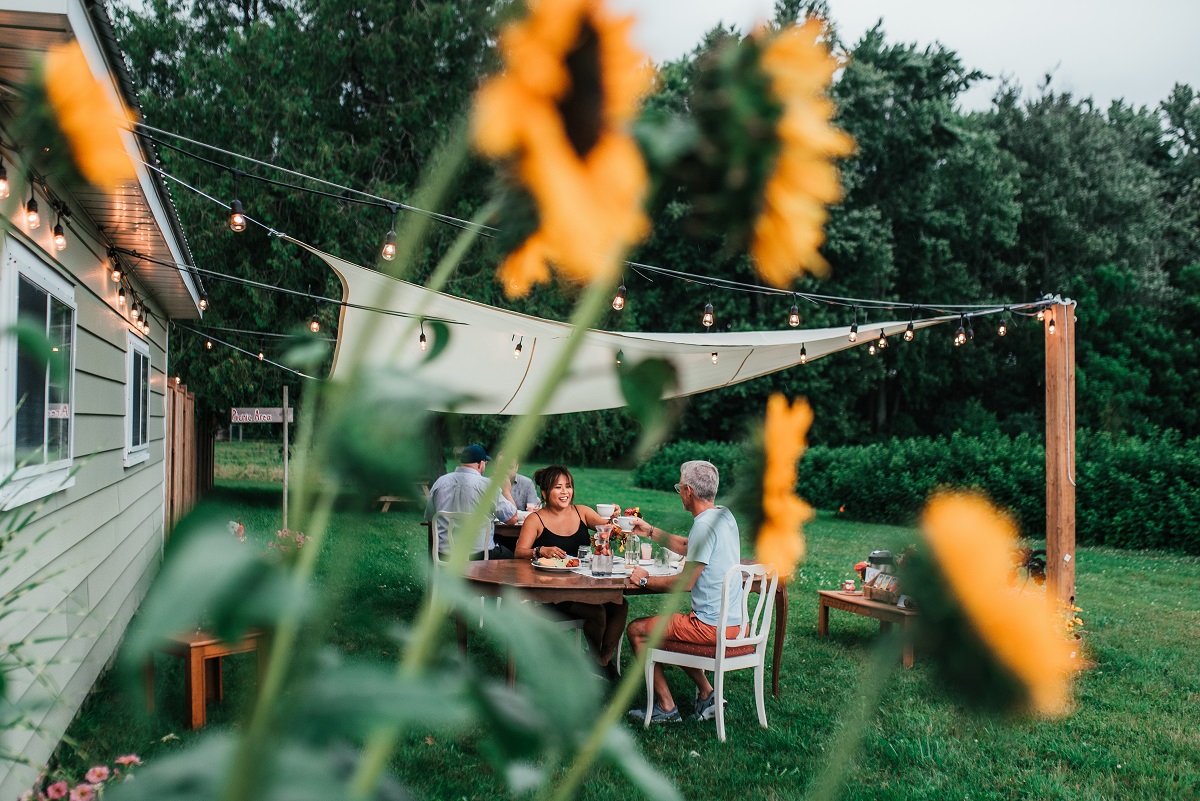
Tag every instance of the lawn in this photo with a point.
(1135, 732)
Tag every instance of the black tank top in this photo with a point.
(571, 543)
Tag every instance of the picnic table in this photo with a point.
(857, 604)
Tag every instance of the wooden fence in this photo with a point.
(189, 453)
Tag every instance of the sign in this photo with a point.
(58, 411)
(257, 415)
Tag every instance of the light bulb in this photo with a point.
(619, 300)
(620, 355)
(203, 303)
(134, 311)
(853, 332)
(32, 218)
(115, 275)
(970, 331)
(1003, 329)
(517, 349)
(145, 326)
(803, 355)
(908, 332)
(714, 357)
(260, 355)
(794, 316)
(4, 188)
(707, 319)
(1050, 327)
(423, 342)
(389, 246)
(314, 324)
(882, 343)
(60, 237)
(121, 296)
(178, 380)
(208, 344)
(1041, 315)
(871, 349)
(237, 219)
(960, 336)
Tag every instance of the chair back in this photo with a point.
(445, 523)
(757, 626)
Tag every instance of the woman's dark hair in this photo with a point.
(548, 476)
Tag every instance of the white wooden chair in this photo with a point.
(747, 650)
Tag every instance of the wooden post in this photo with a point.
(1059, 327)
(285, 454)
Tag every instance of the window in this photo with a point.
(137, 400)
(39, 386)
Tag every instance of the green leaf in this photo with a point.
(306, 354)
(643, 385)
(441, 338)
(621, 748)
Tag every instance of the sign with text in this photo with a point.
(259, 415)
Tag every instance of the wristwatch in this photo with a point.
(642, 583)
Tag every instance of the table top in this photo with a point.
(837, 596)
(542, 585)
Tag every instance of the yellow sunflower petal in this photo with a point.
(524, 267)
(780, 542)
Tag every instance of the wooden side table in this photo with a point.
(886, 614)
(201, 653)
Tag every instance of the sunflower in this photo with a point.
(790, 227)
(87, 118)
(780, 543)
(1000, 645)
(558, 118)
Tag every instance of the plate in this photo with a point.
(851, 592)
(553, 568)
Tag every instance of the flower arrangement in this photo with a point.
(287, 541)
(94, 781)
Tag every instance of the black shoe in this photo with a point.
(610, 672)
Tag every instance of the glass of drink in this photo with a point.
(647, 551)
(602, 564)
(585, 553)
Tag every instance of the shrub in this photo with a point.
(661, 470)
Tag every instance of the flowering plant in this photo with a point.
(237, 530)
(92, 786)
(287, 541)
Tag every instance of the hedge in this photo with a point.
(1130, 492)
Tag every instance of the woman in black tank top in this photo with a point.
(542, 535)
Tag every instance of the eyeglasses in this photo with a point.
(679, 489)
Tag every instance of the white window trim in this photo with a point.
(36, 481)
(135, 455)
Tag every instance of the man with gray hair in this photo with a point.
(713, 545)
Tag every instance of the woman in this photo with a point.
(559, 529)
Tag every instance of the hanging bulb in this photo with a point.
(60, 237)
(908, 332)
(121, 296)
(970, 330)
(1003, 329)
(882, 343)
(871, 349)
(4, 188)
(714, 357)
(389, 246)
(517, 349)
(960, 336)
(260, 355)
(794, 316)
(32, 218)
(803, 355)
(178, 380)
(134, 311)
(314, 324)
(145, 326)
(620, 355)
(1050, 327)
(237, 219)
(114, 272)
(619, 300)
(1041, 315)
(203, 303)
(208, 344)
(423, 342)
(707, 319)
(853, 332)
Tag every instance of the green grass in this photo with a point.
(1135, 732)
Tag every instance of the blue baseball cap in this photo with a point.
(474, 453)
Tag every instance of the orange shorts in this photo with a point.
(689, 628)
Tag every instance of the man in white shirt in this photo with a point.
(713, 545)
(461, 491)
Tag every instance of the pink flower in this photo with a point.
(57, 790)
(97, 774)
(26, 796)
(128, 759)
(83, 792)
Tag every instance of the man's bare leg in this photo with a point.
(639, 632)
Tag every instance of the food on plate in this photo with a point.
(547, 561)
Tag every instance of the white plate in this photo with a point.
(552, 569)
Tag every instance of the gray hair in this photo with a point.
(702, 477)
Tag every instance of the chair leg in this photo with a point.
(719, 690)
(620, 644)
(649, 688)
(759, 672)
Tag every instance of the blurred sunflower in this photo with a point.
(558, 118)
(780, 543)
(996, 646)
(72, 123)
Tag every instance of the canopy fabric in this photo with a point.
(478, 361)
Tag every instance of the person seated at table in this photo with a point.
(712, 546)
(524, 491)
(559, 529)
(461, 491)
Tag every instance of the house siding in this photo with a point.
(92, 548)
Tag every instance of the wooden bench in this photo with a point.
(886, 614)
(386, 501)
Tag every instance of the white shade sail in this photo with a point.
(478, 361)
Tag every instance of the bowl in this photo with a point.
(606, 510)
(626, 523)
(521, 517)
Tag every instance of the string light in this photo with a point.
(178, 380)
(1041, 315)
(517, 349)
(853, 332)
(619, 300)
(389, 241)
(60, 236)
(970, 329)
(1003, 329)
(1050, 327)
(32, 218)
(115, 266)
(908, 332)
(237, 218)
(960, 336)
(803, 355)
(208, 344)
(134, 310)
(707, 319)
(882, 343)
(314, 324)
(260, 355)
(423, 342)
(121, 296)
(871, 349)
(620, 355)
(794, 314)
(4, 188)
(714, 357)
(203, 301)
(145, 326)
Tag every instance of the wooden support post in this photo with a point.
(285, 455)
(1059, 327)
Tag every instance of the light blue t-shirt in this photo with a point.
(715, 543)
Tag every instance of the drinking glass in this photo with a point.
(662, 558)
(602, 564)
(585, 553)
(647, 550)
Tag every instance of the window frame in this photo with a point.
(32, 481)
(136, 345)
